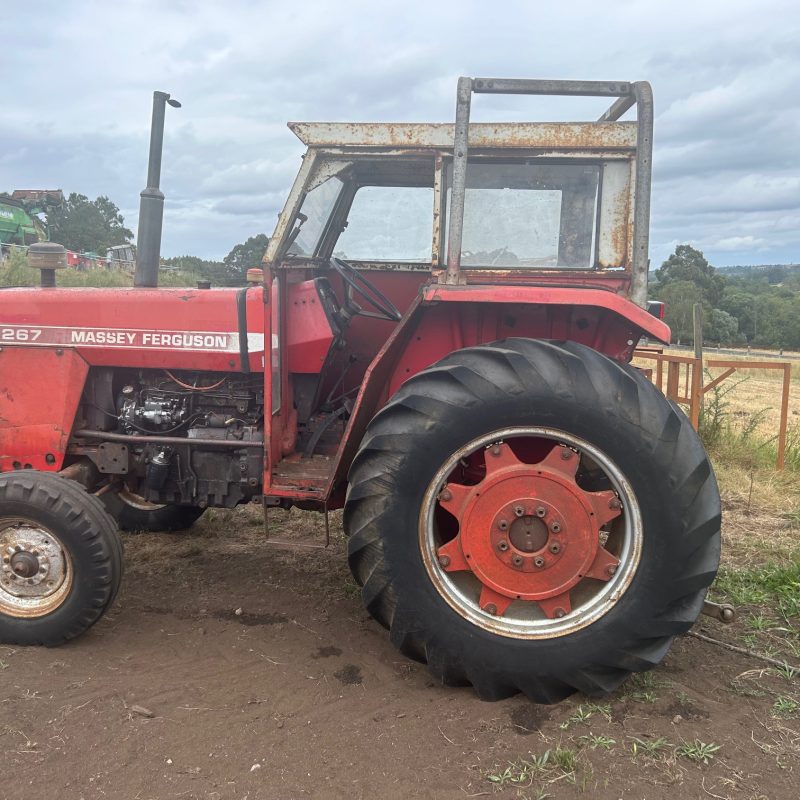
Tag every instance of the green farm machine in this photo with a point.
(20, 224)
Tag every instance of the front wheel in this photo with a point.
(60, 559)
(532, 516)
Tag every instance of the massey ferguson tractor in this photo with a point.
(441, 346)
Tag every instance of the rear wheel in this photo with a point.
(60, 559)
(134, 513)
(532, 516)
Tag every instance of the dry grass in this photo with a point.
(750, 392)
(759, 507)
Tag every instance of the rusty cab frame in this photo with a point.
(616, 281)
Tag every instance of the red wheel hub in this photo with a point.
(528, 531)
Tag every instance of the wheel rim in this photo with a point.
(137, 501)
(35, 569)
(516, 543)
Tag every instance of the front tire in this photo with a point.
(60, 559)
(134, 514)
(566, 448)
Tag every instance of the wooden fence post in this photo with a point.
(787, 376)
(696, 393)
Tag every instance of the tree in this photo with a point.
(778, 320)
(742, 305)
(87, 225)
(245, 256)
(720, 326)
(688, 264)
(198, 268)
(679, 298)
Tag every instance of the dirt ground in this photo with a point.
(231, 669)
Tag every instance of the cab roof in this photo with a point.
(439, 136)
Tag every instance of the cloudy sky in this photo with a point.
(79, 78)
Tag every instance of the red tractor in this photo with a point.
(525, 512)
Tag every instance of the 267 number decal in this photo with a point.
(20, 334)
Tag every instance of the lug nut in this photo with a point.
(446, 495)
(490, 608)
(517, 561)
(519, 510)
(566, 454)
(541, 511)
(555, 527)
(538, 561)
(503, 524)
(444, 561)
(495, 450)
(555, 547)
(502, 545)
(559, 612)
(614, 502)
(611, 570)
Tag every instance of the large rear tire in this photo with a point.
(532, 516)
(60, 559)
(134, 514)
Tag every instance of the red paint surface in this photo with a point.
(545, 492)
(308, 332)
(151, 312)
(39, 394)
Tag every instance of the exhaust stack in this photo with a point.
(151, 204)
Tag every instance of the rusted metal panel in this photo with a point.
(564, 135)
(614, 230)
(643, 182)
(437, 211)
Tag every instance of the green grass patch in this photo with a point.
(776, 585)
(551, 765)
(735, 438)
(584, 712)
(597, 742)
(697, 751)
(785, 708)
(651, 748)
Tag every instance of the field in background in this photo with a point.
(740, 418)
(15, 271)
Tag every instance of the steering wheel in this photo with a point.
(356, 283)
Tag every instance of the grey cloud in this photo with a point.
(727, 167)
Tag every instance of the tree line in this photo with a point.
(748, 306)
(753, 306)
(85, 225)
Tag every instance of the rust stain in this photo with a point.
(546, 135)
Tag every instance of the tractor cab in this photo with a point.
(386, 220)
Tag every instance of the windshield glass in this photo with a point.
(527, 215)
(314, 214)
(388, 223)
